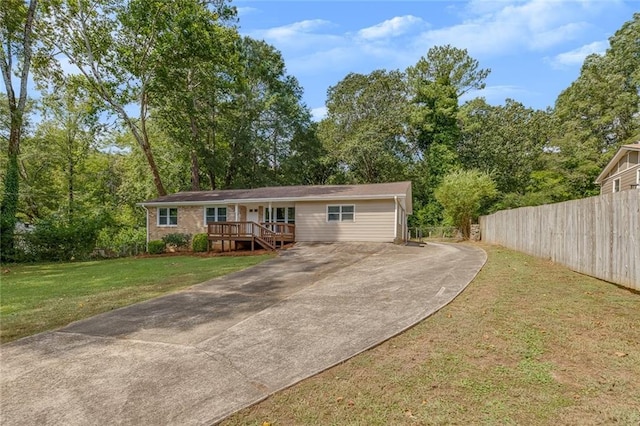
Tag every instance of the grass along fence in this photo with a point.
(597, 236)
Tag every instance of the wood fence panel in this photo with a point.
(598, 236)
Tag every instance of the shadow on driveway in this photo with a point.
(196, 356)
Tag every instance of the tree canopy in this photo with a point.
(139, 98)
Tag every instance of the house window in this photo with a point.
(616, 185)
(215, 214)
(341, 213)
(167, 216)
(291, 213)
(281, 214)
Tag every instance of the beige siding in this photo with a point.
(190, 221)
(627, 179)
(374, 221)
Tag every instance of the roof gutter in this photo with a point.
(270, 200)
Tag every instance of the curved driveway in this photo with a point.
(196, 356)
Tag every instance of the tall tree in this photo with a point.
(17, 20)
(599, 111)
(436, 82)
(70, 127)
(262, 117)
(191, 83)
(116, 46)
(506, 141)
(365, 126)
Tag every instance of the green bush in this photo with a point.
(156, 247)
(55, 239)
(177, 240)
(200, 243)
(122, 241)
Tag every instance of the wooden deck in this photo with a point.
(268, 235)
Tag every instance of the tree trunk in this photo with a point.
(143, 140)
(195, 168)
(195, 171)
(9, 206)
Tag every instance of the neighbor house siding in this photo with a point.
(627, 179)
(190, 221)
(374, 221)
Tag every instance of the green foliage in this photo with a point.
(506, 141)
(8, 210)
(462, 194)
(599, 111)
(177, 240)
(57, 239)
(123, 241)
(200, 243)
(156, 247)
(364, 131)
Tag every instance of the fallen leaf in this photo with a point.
(266, 423)
(339, 399)
(621, 354)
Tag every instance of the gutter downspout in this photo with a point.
(395, 219)
(147, 225)
(236, 211)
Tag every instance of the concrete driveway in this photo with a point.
(196, 356)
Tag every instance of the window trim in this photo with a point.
(616, 188)
(168, 216)
(340, 213)
(217, 214)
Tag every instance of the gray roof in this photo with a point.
(289, 193)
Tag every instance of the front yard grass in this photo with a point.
(528, 342)
(39, 297)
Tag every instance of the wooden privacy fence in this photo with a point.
(597, 236)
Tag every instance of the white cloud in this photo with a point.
(497, 94)
(393, 27)
(576, 56)
(317, 114)
(503, 27)
(299, 35)
(245, 10)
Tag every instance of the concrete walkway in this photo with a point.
(196, 356)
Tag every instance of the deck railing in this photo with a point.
(268, 234)
(285, 231)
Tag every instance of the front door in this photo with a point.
(253, 216)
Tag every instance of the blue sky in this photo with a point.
(534, 48)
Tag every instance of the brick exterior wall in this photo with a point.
(190, 221)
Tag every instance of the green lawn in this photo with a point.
(39, 297)
(528, 342)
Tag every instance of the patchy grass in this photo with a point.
(528, 342)
(39, 297)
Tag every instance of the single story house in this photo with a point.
(622, 172)
(324, 213)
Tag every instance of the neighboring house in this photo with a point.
(623, 171)
(328, 213)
